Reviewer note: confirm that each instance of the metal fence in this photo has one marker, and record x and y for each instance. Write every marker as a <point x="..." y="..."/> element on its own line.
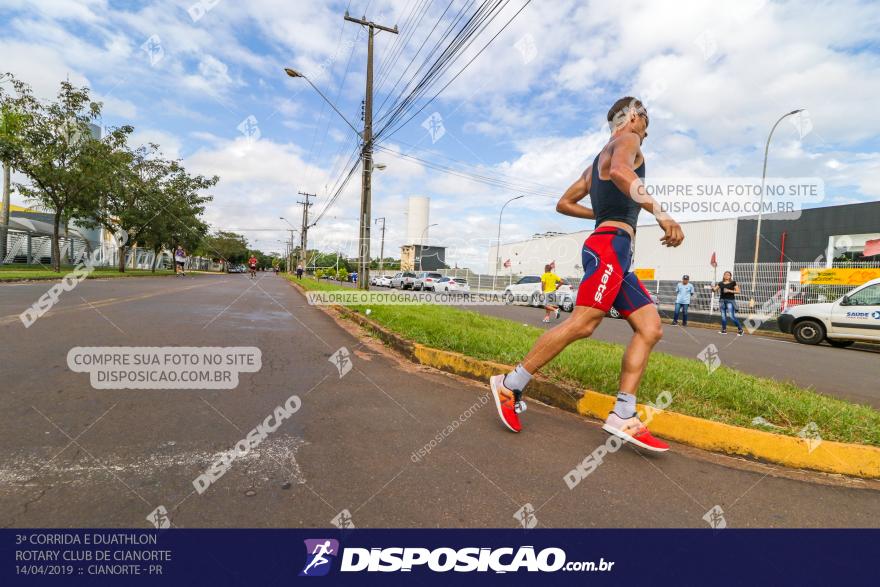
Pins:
<point x="777" y="286"/>
<point x="25" y="248"/>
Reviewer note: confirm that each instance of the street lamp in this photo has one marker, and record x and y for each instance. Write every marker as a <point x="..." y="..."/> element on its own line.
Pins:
<point x="498" y="245"/>
<point x="422" y="244"/>
<point x="366" y="138"/>
<point x="761" y="204"/>
<point x="294" y="73"/>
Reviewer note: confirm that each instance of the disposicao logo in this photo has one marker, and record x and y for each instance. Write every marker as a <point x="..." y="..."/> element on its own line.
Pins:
<point x="320" y="553"/>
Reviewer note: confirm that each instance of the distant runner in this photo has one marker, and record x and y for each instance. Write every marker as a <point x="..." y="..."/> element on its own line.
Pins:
<point x="252" y="266"/>
<point x="614" y="183"/>
<point x="179" y="261"/>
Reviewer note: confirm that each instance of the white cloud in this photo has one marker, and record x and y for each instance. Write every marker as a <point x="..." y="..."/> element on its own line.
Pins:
<point x="169" y="144"/>
<point x="709" y="117"/>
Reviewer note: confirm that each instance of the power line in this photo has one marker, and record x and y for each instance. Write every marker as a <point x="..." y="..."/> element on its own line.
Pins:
<point x="412" y="60"/>
<point x="436" y="154"/>
<point x="480" y="52"/>
<point x="460" y="41"/>
<point x="476" y="177"/>
<point x="403" y="41"/>
<point x="337" y="193"/>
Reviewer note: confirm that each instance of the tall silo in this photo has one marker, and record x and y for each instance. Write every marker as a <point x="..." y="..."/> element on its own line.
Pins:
<point x="417" y="220"/>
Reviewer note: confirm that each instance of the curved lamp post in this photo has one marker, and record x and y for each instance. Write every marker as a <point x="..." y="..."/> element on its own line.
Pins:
<point x="422" y="245"/>
<point x="498" y="241"/>
<point x="761" y="205"/>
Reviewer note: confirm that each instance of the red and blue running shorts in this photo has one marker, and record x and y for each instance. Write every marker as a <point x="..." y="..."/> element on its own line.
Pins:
<point x="607" y="282"/>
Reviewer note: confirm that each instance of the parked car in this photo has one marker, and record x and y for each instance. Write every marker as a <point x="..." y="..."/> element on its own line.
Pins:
<point x="426" y="280"/>
<point x="525" y="291"/>
<point x="452" y="285"/>
<point x="383" y="281"/>
<point x="855" y="316"/>
<point x="613" y="313"/>
<point x="403" y="280"/>
<point x="528" y="291"/>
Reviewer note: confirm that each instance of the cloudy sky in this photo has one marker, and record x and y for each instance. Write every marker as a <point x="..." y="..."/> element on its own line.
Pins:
<point x="205" y="81"/>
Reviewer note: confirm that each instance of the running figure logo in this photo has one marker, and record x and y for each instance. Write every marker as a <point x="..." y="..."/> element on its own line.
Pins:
<point x="320" y="553"/>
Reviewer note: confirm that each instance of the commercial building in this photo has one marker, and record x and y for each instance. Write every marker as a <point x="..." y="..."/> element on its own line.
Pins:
<point x="817" y="233"/>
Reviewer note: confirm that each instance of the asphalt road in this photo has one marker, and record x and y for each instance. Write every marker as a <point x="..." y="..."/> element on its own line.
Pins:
<point x="76" y="456"/>
<point x="852" y="374"/>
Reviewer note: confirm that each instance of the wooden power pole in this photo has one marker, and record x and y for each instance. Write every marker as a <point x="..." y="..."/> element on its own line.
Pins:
<point x="363" y="281"/>
<point x="304" y="232"/>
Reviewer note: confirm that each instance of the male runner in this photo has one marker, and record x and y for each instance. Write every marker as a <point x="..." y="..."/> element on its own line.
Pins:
<point x="614" y="183"/>
<point x="252" y="265"/>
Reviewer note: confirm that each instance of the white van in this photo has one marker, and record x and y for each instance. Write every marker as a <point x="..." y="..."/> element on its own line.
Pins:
<point x="855" y="316"/>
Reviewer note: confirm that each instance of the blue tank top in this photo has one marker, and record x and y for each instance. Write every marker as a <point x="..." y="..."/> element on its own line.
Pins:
<point x="609" y="203"/>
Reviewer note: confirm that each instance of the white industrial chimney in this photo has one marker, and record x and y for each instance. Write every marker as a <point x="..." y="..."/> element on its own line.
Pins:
<point x="417" y="220"/>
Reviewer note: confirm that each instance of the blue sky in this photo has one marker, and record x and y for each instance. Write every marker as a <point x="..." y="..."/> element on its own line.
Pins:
<point x="529" y="110"/>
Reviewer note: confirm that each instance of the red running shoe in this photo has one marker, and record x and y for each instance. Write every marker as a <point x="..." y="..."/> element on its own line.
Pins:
<point x="508" y="407"/>
<point x="632" y="430"/>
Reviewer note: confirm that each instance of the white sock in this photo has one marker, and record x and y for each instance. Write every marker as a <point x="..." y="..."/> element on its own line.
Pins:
<point x="625" y="406"/>
<point x="517" y="379"/>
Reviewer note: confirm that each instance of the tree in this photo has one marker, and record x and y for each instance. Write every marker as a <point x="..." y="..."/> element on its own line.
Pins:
<point x="180" y="223"/>
<point x="53" y="150"/>
<point x="330" y="260"/>
<point x="11" y="123"/>
<point x="154" y="201"/>
<point x="227" y="247"/>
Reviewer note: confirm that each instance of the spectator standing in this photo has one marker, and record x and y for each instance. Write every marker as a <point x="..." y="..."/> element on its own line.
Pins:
<point x="683" y="292"/>
<point x="728" y="289"/>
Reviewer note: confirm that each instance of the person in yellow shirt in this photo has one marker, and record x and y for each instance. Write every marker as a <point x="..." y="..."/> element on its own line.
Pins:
<point x="549" y="284"/>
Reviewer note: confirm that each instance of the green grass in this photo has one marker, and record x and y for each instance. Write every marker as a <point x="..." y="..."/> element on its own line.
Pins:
<point x="15" y="273"/>
<point x="727" y="395"/>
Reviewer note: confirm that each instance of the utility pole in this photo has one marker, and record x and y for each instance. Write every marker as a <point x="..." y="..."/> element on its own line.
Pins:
<point x="290" y="252"/>
<point x="304" y="233"/>
<point x="382" y="246"/>
<point x="363" y="281"/>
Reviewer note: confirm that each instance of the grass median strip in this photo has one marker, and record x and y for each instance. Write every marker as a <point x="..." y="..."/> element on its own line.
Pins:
<point x="14" y="273"/>
<point x="726" y="395"/>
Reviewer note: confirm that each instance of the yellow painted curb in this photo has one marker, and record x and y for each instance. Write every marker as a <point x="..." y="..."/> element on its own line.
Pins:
<point x="825" y="455"/>
<point x="821" y="455"/>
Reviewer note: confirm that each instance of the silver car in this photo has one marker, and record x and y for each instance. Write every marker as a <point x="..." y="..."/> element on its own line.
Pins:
<point x="403" y="280"/>
<point x="426" y="280"/>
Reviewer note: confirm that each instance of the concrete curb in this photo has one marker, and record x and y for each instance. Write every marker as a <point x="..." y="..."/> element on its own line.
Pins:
<point x="826" y="456"/>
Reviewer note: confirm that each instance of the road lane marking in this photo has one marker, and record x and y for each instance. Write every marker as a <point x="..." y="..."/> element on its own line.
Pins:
<point x="12" y="318"/>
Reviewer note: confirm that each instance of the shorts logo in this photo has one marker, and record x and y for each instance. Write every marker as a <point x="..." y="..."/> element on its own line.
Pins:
<point x="600" y="291"/>
<point x="320" y="553"/>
